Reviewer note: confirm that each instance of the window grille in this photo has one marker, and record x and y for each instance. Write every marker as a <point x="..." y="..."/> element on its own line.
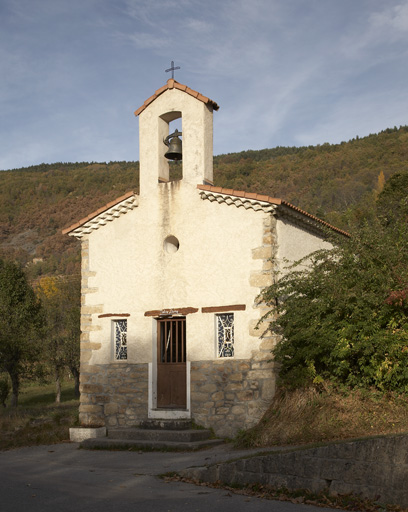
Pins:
<point x="120" y="336"/>
<point x="172" y="340"/>
<point x="225" y="335"/>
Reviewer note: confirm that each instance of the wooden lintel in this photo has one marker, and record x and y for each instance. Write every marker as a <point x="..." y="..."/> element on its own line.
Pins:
<point x="223" y="309"/>
<point x="113" y="314"/>
<point x="171" y="312"/>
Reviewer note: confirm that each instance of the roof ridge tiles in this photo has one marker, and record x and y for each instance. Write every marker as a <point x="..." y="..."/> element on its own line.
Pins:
<point x="192" y="92"/>
<point x="173" y="84"/>
<point x="216" y="190"/>
<point x="182" y="87"/>
<point x="100" y="210"/>
<point x="262" y="197"/>
<point x="268" y="199"/>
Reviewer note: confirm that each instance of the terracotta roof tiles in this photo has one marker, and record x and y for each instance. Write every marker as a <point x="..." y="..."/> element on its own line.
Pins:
<point x="271" y="200"/>
<point x="172" y="84"/>
<point x="97" y="212"/>
<point x="216" y="190"/>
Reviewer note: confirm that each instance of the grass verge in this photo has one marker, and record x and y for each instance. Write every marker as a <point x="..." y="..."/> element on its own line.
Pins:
<point x="320" y="415"/>
<point x="38" y="419"/>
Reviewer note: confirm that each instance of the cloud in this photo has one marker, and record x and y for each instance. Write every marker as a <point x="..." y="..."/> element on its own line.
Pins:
<point x="392" y="21"/>
<point x="145" y="41"/>
<point x="376" y="35"/>
<point x="283" y="71"/>
<point x="151" y="14"/>
<point x="376" y="111"/>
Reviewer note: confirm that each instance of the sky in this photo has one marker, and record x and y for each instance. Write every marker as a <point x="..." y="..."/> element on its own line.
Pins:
<point x="284" y="72"/>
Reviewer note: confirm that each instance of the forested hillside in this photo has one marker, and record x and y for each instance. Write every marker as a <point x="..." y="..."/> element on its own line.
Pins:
<point x="37" y="202"/>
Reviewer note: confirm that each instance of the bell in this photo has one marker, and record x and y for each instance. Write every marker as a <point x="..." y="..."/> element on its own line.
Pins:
<point x="174" y="144"/>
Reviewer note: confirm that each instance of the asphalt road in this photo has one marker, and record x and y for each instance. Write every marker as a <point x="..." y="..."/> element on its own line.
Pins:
<point x="62" y="478"/>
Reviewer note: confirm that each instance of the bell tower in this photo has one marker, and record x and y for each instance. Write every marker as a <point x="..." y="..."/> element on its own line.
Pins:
<point x="171" y="102"/>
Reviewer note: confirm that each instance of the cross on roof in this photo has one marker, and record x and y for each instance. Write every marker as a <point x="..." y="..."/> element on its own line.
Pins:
<point x="172" y="69"/>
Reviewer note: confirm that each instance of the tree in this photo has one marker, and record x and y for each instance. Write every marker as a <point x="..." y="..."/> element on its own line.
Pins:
<point x="393" y="200"/>
<point x="21" y="323"/>
<point x="345" y="318"/>
<point x="60" y="297"/>
<point x="380" y="183"/>
<point x="4" y="389"/>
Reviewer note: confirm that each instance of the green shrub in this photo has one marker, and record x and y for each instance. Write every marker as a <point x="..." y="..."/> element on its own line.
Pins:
<point x="343" y="312"/>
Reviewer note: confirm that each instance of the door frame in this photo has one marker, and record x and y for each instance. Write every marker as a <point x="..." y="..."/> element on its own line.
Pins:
<point x="171" y="363"/>
<point x="153" y="411"/>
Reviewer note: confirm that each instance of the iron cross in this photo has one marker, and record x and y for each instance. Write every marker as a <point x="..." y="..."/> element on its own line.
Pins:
<point x="172" y="69"/>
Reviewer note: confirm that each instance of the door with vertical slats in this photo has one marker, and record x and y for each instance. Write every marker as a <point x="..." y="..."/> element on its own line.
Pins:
<point x="171" y="363"/>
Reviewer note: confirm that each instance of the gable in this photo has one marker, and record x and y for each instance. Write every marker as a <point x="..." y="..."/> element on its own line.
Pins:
<point x="237" y="198"/>
<point x="172" y="84"/>
<point x="265" y="203"/>
<point x="103" y="215"/>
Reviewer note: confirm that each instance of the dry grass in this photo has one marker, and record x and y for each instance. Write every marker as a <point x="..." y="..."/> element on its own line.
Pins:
<point x="38" y="420"/>
<point x="310" y="416"/>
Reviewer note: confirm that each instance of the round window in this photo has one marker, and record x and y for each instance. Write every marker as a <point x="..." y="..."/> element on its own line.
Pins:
<point x="171" y="244"/>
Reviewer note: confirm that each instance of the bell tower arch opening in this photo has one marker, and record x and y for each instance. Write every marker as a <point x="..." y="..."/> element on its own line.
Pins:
<point x="173" y="144"/>
<point x="175" y="107"/>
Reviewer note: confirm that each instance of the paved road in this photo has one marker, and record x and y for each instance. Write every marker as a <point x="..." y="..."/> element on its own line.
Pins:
<point x="61" y="478"/>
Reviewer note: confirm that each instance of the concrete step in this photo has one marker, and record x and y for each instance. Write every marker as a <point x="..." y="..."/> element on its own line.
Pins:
<point x="105" y="443"/>
<point x="140" y="434"/>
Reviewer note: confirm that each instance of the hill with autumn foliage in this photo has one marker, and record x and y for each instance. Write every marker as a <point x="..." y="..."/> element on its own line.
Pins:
<point x="326" y="180"/>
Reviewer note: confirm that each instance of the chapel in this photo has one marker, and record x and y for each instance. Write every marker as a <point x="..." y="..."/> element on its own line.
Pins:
<point x="171" y="279"/>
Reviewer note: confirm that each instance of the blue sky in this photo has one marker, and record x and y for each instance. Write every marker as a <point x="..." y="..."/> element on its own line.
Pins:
<point x="284" y="72"/>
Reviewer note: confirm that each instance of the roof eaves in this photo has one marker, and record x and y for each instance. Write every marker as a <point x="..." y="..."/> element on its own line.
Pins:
<point x="240" y="193"/>
<point x="94" y="214"/>
<point x="272" y="200"/>
<point x="172" y="84"/>
<point x="316" y="219"/>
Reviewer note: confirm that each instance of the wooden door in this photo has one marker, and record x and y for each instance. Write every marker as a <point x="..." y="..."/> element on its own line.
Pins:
<point x="171" y="363"/>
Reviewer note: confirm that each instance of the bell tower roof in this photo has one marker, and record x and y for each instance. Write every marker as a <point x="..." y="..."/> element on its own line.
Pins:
<point x="173" y="84"/>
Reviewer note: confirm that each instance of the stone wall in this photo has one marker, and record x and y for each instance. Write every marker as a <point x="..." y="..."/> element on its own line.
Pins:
<point x="114" y="395"/>
<point x="374" y="468"/>
<point x="228" y="395"/>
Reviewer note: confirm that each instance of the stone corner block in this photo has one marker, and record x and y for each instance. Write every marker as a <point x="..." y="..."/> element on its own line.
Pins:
<point x="260" y="280"/>
<point x="91" y="310"/>
<point x="262" y="253"/>
<point x="79" y="434"/>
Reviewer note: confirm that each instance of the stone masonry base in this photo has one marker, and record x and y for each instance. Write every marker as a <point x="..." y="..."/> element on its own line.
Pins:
<point x="226" y="395"/>
<point x="113" y="395"/>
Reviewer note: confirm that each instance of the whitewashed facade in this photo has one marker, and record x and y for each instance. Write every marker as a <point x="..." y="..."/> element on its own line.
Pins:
<point x="170" y="282"/>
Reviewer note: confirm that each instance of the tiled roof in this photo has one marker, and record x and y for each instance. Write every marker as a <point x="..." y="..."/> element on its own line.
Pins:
<point x="222" y="195"/>
<point x="172" y="84"/>
<point x="241" y="198"/>
<point x="106" y="213"/>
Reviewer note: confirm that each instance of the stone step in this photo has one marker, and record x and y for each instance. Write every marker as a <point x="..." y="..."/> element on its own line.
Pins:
<point x="105" y="443"/>
<point x="157" y="434"/>
<point x="166" y="424"/>
<point x="143" y="434"/>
